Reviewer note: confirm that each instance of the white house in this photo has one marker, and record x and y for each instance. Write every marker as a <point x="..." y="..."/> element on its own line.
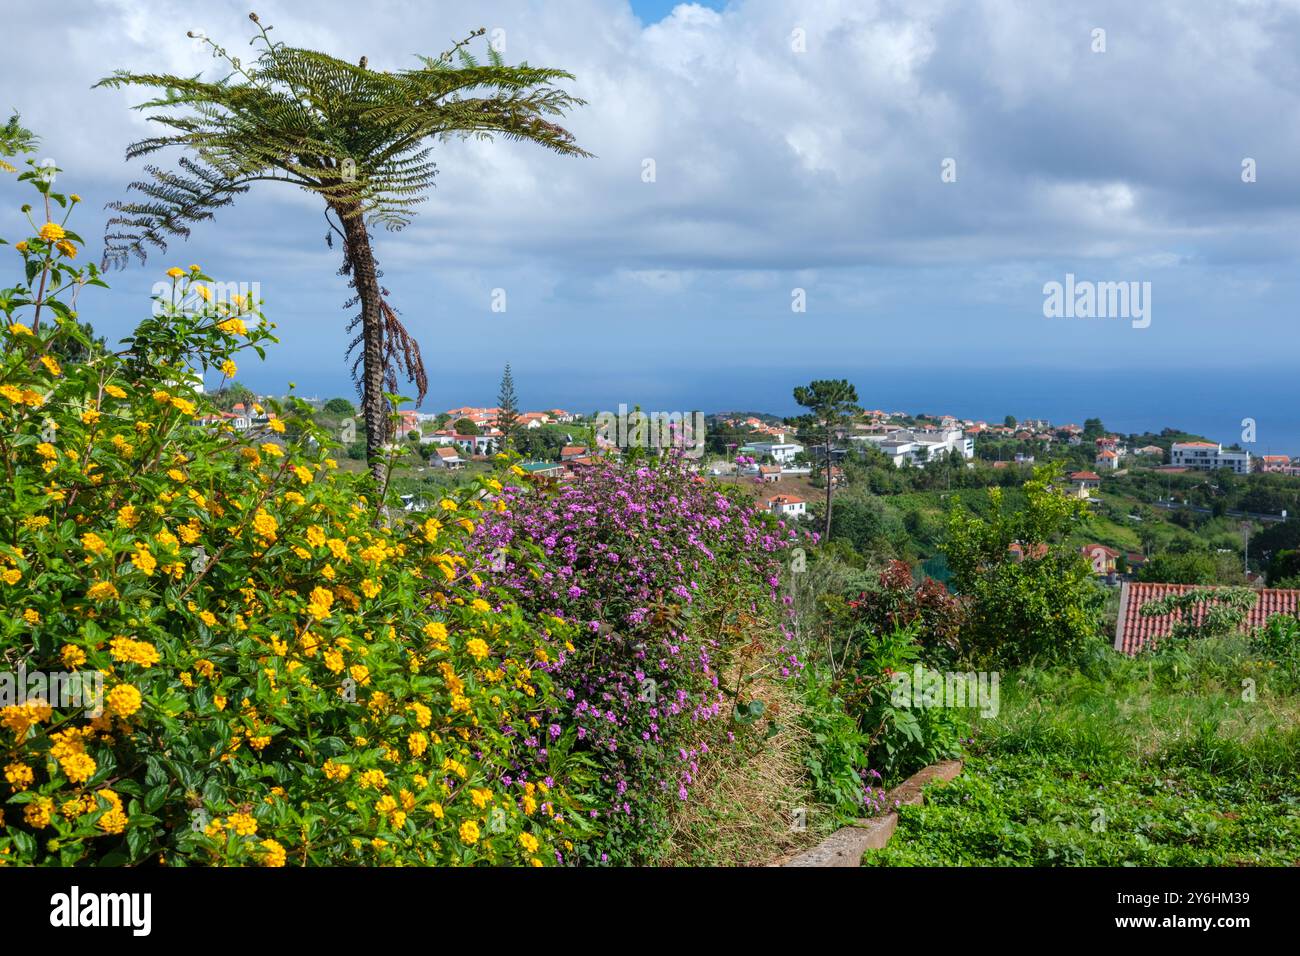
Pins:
<point x="780" y="452"/>
<point x="445" y="456"/>
<point x="787" y="506"/>
<point x="1107" y="459"/>
<point x="918" y="446"/>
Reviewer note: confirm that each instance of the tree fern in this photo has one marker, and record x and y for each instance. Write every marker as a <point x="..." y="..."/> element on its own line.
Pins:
<point x="361" y="139"/>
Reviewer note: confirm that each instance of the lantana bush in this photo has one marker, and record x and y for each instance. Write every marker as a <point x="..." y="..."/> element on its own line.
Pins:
<point x="290" y="671"/>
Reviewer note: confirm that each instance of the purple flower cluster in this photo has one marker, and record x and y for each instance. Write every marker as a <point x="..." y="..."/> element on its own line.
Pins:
<point x="635" y="557"/>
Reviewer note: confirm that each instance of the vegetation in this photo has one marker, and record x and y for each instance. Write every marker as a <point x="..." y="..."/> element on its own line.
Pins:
<point x="507" y="408"/>
<point x="360" y="139"/>
<point x="831" y="405"/>
<point x="253" y="661"/>
<point x="1185" y="759"/>
<point x="1035" y="603"/>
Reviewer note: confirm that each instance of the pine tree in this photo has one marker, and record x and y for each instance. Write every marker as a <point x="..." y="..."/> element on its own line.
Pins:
<point x="832" y="404"/>
<point x="508" y="403"/>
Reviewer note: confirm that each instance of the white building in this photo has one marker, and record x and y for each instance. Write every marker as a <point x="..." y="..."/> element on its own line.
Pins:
<point x="781" y="452"/>
<point x="919" y="446"/>
<point x="445" y="456"/>
<point x="1107" y="459"/>
<point x="787" y="506"/>
<point x="1208" y="456"/>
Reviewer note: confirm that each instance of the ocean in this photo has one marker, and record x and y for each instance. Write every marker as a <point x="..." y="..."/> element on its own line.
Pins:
<point x="1213" y="403"/>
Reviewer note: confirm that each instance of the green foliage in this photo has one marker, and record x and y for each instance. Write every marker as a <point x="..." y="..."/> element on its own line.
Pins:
<point x="832" y="404"/>
<point x="1043" y="606"/>
<point x="363" y="143"/>
<point x="1042" y="809"/>
<point x="15" y="139"/>
<point x="903" y="735"/>
<point x="837" y="749"/>
<point x="1192" y="567"/>
<point x="293" y="669"/>
<point x="1125" y="763"/>
<point x="508" y="407"/>
<point x="359" y="139"/>
<point x="1201" y="613"/>
<point x="541" y="444"/>
<point x="339" y="407"/>
<point x="1284" y="566"/>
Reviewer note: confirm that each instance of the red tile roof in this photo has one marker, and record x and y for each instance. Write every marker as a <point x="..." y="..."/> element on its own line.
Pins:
<point x="1093" y="548"/>
<point x="1134" y="630"/>
<point x="1085" y="476"/>
<point x="784" y="500"/>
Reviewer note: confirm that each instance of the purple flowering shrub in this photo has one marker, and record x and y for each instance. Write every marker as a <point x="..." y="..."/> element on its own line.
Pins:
<point x="667" y="579"/>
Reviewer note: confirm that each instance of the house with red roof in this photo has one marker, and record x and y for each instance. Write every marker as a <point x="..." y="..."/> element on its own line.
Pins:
<point x="1107" y="459"/>
<point x="1085" y="481"/>
<point x="1278" y="464"/>
<point x="407" y="421"/>
<point x="787" y="506"/>
<point x="1135" y="631"/>
<point x="1101" y="558"/>
<point x="446" y="456"/>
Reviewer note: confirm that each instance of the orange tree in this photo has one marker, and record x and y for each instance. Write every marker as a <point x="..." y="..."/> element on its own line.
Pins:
<point x="216" y="648"/>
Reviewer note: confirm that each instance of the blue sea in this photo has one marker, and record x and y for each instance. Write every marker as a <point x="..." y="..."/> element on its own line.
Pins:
<point x="1208" y="402"/>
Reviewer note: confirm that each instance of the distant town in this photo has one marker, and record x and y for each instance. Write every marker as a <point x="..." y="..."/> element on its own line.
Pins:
<point x="555" y="442"/>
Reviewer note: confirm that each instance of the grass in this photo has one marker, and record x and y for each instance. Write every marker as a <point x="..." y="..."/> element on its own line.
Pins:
<point x="743" y="810"/>
<point x="1163" y="762"/>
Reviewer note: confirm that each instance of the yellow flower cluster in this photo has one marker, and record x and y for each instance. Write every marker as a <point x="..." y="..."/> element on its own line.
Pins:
<point x="229" y="592"/>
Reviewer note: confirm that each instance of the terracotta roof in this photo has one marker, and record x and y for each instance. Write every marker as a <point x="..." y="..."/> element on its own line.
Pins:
<point x="784" y="500"/>
<point x="1093" y="548"/>
<point x="1134" y="630"/>
<point x="1085" y="476"/>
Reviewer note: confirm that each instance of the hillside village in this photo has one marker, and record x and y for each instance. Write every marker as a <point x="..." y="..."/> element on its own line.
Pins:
<point x="1142" y="490"/>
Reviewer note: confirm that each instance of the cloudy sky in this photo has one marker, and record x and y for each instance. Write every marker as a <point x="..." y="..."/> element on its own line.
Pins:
<point x="796" y="145"/>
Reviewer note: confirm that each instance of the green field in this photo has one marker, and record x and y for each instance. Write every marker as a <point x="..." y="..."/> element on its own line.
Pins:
<point x="1143" y="764"/>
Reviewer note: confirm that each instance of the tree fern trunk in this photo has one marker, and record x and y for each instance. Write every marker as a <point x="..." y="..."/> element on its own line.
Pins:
<point x="373" y="408"/>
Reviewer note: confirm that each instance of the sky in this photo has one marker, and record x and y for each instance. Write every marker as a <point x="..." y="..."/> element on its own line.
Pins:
<point x="913" y="173"/>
